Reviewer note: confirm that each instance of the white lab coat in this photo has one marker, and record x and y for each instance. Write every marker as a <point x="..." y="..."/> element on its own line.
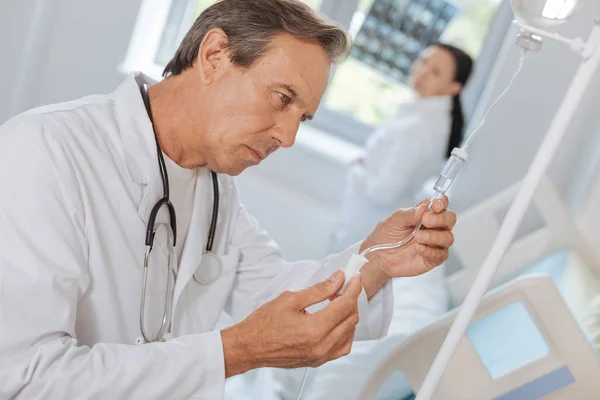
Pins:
<point x="78" y="181"/>
<point x="399" y="157"/>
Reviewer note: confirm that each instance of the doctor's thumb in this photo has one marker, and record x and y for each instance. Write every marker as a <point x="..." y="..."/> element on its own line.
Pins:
<point x="320" y="291"/>
<point x="418" y="213"/>
<point x="409" y="217"/>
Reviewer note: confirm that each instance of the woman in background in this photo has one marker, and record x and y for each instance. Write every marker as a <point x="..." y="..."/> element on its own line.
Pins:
<point x="410" y="148"/>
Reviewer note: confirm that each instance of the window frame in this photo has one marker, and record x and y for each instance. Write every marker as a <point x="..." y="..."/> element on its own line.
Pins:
<point x="145" y="40"/>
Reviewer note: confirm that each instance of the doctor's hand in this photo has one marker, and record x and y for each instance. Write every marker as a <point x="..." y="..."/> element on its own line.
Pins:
<point x="427" y="250"/>
<point x="282" y="334"/>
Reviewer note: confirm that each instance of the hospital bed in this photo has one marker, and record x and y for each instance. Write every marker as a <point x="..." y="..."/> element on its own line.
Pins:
<point x="524" y="342"/>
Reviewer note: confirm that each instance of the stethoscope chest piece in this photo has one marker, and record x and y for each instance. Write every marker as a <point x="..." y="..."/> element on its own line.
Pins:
<point x="209" y="269"/>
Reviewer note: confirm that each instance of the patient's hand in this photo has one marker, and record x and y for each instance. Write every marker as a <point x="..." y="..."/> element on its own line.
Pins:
<point x="426" y="251"/>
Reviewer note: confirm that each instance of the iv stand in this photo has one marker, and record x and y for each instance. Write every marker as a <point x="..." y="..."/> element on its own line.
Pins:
<point x="589" y="66"/>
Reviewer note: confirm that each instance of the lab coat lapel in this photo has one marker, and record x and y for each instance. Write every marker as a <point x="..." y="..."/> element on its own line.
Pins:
<point x="139" y="147"/>
<point x="197" y="235"/>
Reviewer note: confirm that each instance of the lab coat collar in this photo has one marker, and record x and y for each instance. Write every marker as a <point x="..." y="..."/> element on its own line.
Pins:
<point x="139" y="147"/>
<point x="191" y="255"/>
<point x="136" y="131"/>
<point x="139" y="143"/>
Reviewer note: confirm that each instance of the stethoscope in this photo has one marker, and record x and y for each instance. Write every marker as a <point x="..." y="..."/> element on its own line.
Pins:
<point x="210" y="266"/>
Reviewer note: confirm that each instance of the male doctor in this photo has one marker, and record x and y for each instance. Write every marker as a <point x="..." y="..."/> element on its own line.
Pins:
<point x="84" y="314"/>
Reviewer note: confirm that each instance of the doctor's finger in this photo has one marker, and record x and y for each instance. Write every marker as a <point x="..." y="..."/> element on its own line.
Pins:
<point x="318" y="292"/>
<point x="338" y="341"/>
<point x="425" y="201"/>
<point x="344" y="349"/>
<point x="408" y="217"/>
<point x="343" y="340"/>
<point x="353" y="289"/>
<point x="432" y="255"/>
<point x="440" y="204"/>
<point x="435" y="238"/>
<point x="444" y="220"/>
<point x="343" y="306"/>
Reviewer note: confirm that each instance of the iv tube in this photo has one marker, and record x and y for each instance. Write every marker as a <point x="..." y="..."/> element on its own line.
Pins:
<point x="476" y="130"/>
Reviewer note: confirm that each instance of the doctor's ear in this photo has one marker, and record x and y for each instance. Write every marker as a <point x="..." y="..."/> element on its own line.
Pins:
<point x="213" y="55"/>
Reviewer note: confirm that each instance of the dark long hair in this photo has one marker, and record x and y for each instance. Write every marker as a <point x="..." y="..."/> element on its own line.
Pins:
<point x="464" y="65"/>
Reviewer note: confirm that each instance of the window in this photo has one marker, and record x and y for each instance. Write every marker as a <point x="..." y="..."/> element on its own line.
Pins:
<point x="361" y="94"/>
<point x="360" y="91"/>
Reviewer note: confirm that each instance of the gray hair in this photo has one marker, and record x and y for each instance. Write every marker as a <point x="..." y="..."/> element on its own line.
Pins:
<point x="250" y="25"/>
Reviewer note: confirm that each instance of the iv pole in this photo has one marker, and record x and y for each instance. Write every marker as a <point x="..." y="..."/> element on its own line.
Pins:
<point x="585" y="73"/>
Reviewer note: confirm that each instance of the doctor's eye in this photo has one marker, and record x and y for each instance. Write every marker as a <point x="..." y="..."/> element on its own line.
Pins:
<point x="285" y="99"/>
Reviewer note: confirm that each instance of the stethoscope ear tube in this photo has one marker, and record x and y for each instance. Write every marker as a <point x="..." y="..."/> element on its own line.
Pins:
<point x="211" y="266"/>
<point x="215" y="212"/>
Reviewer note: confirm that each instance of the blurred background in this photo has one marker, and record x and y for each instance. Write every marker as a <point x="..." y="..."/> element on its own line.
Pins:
<point x="58" y="50"/>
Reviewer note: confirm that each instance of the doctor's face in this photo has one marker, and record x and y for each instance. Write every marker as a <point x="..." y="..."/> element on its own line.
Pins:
<point x="256" y="110"/>
<point x="433" y="73"/>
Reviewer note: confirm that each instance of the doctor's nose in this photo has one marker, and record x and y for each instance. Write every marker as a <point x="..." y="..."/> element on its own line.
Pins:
<point x="285" y="131"/>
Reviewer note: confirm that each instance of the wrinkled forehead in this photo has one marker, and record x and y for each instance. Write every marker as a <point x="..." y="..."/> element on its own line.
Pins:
<point x="302" y="64"/>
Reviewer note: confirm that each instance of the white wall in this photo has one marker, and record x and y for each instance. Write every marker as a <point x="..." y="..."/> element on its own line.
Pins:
<point x="15" y="23"/>
<point x="78" y="45"/>
<point x="76" y="48"/>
